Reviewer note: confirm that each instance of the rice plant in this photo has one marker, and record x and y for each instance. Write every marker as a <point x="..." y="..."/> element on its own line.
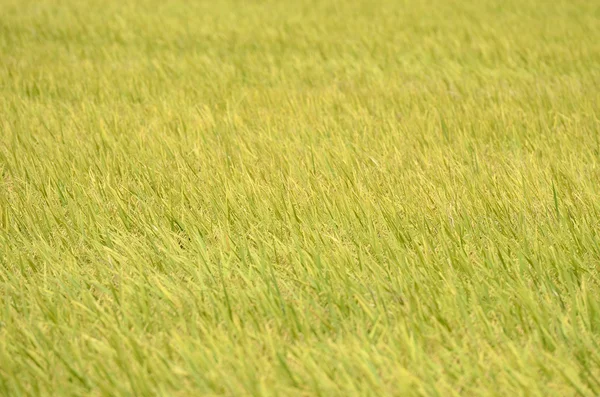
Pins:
<point x="300" y="198"/>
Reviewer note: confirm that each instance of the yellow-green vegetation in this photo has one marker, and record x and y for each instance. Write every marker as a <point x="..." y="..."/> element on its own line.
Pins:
<point x="300" y="198"/>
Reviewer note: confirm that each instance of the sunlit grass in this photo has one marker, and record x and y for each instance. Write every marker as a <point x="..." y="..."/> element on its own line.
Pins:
<point x="300" y="198"/>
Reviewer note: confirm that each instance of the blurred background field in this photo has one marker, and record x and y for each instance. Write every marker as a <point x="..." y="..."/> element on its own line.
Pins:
<point x="300" y="198"/>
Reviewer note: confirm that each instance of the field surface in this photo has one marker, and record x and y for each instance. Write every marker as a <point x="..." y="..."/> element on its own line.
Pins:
<point x="300" y="198"/>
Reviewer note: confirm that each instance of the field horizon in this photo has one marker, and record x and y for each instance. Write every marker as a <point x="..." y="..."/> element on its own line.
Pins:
<point x="300" y="198"/>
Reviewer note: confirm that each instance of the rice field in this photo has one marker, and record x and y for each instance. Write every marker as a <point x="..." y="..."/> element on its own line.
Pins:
<point x="300" y="198"/>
